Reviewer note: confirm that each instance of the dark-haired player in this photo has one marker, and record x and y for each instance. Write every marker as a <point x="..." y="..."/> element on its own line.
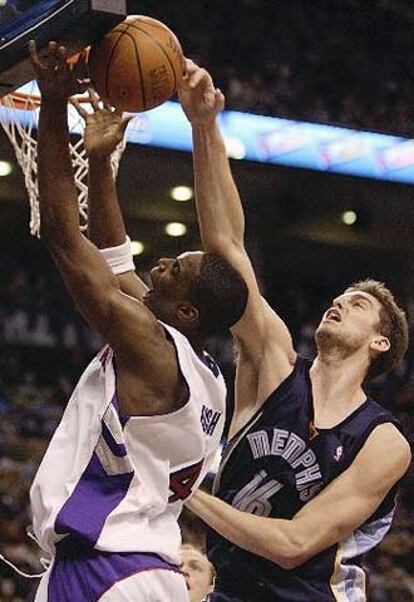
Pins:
<point x="146" y="417"/>
<point x="307" y="482"/>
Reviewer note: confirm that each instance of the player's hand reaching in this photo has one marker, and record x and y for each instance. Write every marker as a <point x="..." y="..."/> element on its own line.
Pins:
<point x="104" y="127"/>
<point x="57" y="78"/>
<point x="200" y="100"/>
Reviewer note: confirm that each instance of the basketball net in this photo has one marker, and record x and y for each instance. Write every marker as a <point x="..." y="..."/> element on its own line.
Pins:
<point x="19" y="117"/>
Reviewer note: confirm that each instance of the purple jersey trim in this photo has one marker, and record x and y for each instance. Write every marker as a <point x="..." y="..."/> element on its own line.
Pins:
<point x="123" y="418"/>
<point x="95" y="496"/>
<point x="84" y="575"/>
<point x="118" y="449"/>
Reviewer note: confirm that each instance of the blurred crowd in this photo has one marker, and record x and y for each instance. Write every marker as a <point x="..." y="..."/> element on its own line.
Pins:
<point x="45" y="347"/>
<point x="343" y="62"/>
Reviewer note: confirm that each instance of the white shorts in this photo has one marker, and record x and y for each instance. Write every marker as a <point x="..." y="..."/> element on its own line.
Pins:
<point x="155" y="585"/>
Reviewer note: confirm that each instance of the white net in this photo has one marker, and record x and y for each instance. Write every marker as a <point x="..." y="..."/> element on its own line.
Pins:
<point x="19" y="114"/>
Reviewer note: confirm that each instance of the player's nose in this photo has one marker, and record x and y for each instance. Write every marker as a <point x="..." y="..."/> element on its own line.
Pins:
<point x="164" y="262"/>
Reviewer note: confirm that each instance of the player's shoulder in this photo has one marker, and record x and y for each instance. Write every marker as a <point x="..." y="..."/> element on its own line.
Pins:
<point x="388" y="442"/>
<point x="389" y="435"/>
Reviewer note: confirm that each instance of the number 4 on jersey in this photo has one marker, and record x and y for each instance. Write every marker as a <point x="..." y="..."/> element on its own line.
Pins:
<point x="182" y="481"/>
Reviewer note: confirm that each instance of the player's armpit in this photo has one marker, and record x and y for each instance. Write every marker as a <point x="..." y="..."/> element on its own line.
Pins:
<point x="352" y="497"/>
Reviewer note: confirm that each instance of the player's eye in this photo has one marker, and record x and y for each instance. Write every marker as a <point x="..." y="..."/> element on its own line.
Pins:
<point x="196" y="566"/>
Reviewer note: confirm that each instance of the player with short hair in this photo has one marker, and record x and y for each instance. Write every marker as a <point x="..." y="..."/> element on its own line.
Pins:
<point x="145" y="420"/>
<point x="198" y="572"/>
<point x="308" y="479"/>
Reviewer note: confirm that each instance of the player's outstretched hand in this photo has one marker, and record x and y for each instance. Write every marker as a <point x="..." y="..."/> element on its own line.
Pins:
<point x="200" y="100"/>
<point x="104" y="127"/>
<point x="57" y="78"/>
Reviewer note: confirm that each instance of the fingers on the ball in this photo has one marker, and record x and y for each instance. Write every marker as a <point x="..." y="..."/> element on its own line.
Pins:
<point x="220" y="94"/>
<point x="200" y="76"/>
<point x="190" y="66"/>
<point x="183" y="82"/>
<point x="220" y="100"/>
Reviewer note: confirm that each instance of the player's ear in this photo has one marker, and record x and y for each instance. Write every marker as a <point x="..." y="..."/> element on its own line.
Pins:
<point x="188" y="313"/>
<point x="380" y="344"/>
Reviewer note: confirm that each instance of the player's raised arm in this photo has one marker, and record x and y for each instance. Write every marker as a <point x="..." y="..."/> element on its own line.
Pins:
<point x="122" y="321"/>
<point x="104" y="130"/>
<point x="221" y="215"/>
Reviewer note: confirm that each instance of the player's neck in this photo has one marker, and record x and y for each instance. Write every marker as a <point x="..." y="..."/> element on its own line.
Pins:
<point x="337" y="383"/>
<point x="196" y="339"/>
<point x="197" y="342"/>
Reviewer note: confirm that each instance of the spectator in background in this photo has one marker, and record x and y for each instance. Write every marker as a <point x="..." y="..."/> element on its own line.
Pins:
<point x="198" y="571"/>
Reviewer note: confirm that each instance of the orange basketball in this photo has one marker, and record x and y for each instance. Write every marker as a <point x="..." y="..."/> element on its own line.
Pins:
<point x="137" y="65"/>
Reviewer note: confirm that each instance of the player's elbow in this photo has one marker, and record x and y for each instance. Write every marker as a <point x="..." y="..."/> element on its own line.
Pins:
<point x="291" y="559"/>
<point x="295" y="552"/>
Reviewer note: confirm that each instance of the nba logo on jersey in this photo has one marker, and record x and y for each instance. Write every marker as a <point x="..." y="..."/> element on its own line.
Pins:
<point x="338" y="453"/>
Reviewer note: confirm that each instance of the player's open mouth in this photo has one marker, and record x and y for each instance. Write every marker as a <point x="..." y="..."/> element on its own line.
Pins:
<point x="333" y="315"/>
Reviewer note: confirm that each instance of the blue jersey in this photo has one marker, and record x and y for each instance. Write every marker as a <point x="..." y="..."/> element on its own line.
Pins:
<point x="275" y="465"/>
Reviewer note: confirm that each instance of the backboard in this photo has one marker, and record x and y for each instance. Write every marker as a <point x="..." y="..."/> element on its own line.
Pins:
<point x="74" y="23"/>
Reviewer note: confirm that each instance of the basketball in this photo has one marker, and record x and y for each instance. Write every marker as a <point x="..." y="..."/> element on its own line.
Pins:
<point x="137" y="65"/>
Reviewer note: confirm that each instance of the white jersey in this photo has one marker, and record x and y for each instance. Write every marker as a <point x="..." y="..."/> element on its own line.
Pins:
<point x="119" y="483"/>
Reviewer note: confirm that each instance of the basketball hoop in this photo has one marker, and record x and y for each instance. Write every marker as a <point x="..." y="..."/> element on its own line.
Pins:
<point x="19" y="116"/>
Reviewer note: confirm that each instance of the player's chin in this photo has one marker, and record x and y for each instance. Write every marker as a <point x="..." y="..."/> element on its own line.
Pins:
<point x="322" y="327"/>
<point x="326" y="330"/>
